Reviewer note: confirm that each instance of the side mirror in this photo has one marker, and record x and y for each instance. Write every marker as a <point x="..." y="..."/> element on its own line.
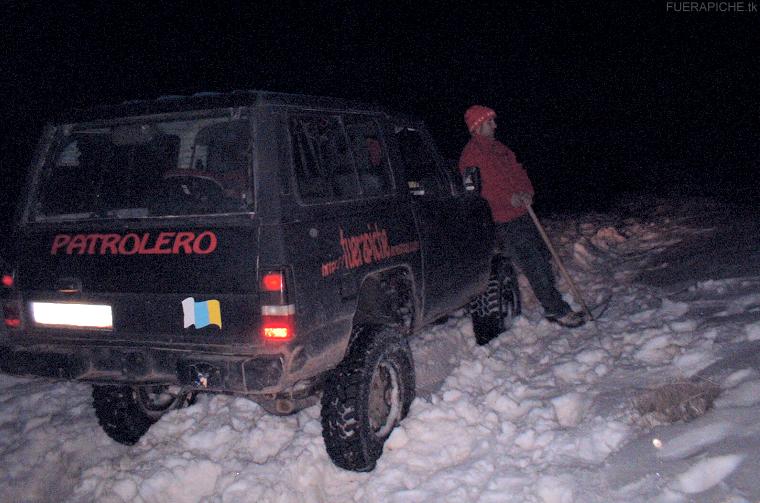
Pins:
<point x="471" y="179"/>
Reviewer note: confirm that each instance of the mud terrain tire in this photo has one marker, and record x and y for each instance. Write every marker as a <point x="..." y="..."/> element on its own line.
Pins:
<point x="494" y="311"/>
<point x="126" y="412"/>
<point x="366" y="396"/>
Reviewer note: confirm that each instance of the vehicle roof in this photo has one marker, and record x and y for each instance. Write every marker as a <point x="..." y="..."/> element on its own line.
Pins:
<point x="213" y="100"/>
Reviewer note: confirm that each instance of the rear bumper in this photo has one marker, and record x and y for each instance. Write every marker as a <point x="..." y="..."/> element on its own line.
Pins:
<point x="262" y="374"/>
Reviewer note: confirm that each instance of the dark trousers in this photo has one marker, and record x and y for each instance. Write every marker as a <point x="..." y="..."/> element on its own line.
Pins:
<point x="520" y="241"/>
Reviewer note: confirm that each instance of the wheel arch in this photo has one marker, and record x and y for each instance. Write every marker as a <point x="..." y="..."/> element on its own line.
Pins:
<point x="388" y="297"/>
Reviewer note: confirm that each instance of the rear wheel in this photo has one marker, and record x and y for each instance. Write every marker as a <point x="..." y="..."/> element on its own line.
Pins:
<point x="494" y="311"/>
<point x="366" y="396"/>
<point x="126" y="412"/>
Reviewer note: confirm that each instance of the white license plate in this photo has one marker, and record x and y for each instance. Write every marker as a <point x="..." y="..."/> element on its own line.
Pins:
<point x="72" y="315"/>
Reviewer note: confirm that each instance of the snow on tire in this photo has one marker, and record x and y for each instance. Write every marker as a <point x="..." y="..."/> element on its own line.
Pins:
<point x="366" y="396"/>
<point x="494" y="310"/>
<point x="126" y="412"/>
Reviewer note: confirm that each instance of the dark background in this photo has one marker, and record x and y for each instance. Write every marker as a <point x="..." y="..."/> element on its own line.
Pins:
<point x="596" y="99"/>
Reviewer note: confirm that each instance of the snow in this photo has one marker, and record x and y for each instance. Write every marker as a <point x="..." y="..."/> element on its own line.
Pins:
<point x="542" y="414"/>
<point x="707" y="473"/>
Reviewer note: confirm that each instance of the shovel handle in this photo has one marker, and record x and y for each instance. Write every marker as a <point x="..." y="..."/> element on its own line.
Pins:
<point x="558" y="261"/>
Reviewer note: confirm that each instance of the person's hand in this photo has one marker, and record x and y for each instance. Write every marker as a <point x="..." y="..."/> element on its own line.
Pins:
<point x="522" y="199"/>
<point x="516" y="200"/>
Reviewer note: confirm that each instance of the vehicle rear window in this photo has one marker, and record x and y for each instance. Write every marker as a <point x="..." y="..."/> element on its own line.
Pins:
<point x="147" y="168"/>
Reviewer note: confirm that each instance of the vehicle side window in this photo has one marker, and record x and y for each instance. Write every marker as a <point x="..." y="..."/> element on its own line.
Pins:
<point x="423" y="175"/>
<point x="370" y="155"/>
<point x="322" y="160"/>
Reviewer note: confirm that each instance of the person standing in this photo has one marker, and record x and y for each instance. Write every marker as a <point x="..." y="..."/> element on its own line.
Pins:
<point x="508" y="190"/>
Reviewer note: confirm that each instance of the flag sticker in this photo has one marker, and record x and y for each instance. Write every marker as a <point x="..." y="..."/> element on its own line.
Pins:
<point x="201" y="314"/>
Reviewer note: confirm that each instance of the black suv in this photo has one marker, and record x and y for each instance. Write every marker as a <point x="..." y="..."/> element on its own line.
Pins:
<point x="267" y="245"/>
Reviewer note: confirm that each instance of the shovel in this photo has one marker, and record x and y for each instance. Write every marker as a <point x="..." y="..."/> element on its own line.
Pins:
<point x="574" y="289"/>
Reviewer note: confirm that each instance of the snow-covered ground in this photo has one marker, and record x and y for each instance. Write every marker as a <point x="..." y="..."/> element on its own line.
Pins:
<point x="541" y="414"/>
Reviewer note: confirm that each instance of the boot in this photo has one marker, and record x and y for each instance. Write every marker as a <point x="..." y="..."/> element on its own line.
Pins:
<point x="571" y="319"/>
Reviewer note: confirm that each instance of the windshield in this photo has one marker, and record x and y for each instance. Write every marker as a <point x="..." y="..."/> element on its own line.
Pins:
<point x="148" y="168"/>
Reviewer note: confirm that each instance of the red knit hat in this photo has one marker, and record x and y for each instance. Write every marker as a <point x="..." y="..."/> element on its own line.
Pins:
<point x="477" y="115"/>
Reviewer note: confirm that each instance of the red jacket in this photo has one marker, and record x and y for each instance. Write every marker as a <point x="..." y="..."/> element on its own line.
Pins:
<point x="500" y="173"/>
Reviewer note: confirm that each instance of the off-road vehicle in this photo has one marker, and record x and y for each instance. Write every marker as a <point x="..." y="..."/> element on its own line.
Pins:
<point x="279" y="247"/>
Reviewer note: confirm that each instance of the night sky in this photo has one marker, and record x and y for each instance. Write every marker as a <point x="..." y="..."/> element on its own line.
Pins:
<point x="595" y="98"/>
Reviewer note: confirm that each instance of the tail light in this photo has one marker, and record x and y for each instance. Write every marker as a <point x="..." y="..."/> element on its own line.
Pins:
<point x="12" y="314"/>
<point x="278" y="315"/>
<point x="11" y="304"/>
<point x="273" y="282"/>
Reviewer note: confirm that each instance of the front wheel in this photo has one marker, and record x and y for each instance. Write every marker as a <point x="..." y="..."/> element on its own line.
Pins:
<point x="494" y="311"/>
<point x="366" y="396"/>
<point x="126" y="412"/>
